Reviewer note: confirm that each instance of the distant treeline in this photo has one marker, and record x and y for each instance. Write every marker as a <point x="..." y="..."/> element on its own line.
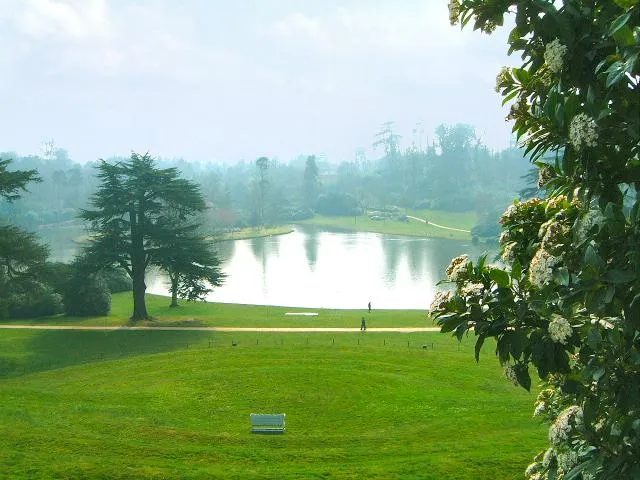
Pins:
<point x="456" y="172"/>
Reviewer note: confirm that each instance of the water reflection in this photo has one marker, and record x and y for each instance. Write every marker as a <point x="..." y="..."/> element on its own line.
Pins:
<point x="320" y="268"/>
<point x="311" y="247"/>
<point x="415" y="249"/>
<point x="392" y="248"/>
<point x="62" y="239"/>
<point x="330" y="269"/>
<point x="225" y="250"/>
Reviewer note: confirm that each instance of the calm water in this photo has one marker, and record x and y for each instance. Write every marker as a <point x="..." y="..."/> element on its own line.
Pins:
<point x="317" y="268"/>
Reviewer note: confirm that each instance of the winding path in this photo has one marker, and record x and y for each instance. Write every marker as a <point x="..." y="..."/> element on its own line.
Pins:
<point x="439" y="226"/>
<point x="225" y="329"/>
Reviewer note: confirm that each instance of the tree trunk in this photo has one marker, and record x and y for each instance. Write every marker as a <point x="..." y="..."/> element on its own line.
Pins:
<point x="138" y="268"/>
<point x="174" y="290"/>
<point x="139" y="289"/>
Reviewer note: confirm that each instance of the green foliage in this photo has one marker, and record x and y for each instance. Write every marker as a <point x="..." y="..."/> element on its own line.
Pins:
<point x="12" y="182"/>
<point x="139" y="210"/>
<point x="566" y="303"/>
<point x="22" y="260"/>
<point x="56" y="275"/>
<point x="190" y="262"/>
<point x="338" y="204"/>
<point x="117" y="280"/>
<point x="21" y="255"/>
<point x="87" y="295"/>
<point x="32" y="299"/>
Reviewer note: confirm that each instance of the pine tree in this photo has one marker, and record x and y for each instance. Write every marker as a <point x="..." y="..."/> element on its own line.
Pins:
<point x="144" y="216"/>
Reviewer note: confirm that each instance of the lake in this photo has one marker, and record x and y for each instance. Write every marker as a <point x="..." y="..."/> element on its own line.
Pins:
<point x="328" y="269"/>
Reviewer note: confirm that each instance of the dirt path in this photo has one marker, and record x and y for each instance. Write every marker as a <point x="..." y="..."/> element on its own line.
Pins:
<point x="436" y="225"/>
<point x="226" y="329"/>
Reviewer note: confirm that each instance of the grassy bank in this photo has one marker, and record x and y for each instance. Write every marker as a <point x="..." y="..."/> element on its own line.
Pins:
<point x="197" y="314"/>
<point x="242" y="234"/>
<point x="252" y="232"/>
<point x="415" y="228"/>
<point x="157" y="404"/>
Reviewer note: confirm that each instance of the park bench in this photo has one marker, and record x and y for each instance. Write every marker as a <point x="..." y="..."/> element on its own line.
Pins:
<point x="267" y="422"/>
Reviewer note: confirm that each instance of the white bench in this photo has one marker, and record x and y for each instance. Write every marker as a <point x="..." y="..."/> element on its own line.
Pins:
<point x="267" y="422"/>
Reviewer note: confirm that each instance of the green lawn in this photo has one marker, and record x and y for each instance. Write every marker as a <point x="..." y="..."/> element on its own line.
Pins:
<point x="157" y="404"/>
<point x="197" y="314"/>
<point x="464" y="221"/>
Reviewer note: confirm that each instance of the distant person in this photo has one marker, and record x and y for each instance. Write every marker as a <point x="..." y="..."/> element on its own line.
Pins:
<point x="363" y="325"/>
<point x="369" y="306"/>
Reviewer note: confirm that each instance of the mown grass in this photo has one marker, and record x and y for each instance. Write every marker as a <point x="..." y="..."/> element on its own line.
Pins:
<point x="414" y="228"/>
<point x="153" y="404"/>
<point x="197" y="314"/>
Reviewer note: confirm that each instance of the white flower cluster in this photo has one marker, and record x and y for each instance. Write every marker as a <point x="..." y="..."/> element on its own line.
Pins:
<point x="560" y="329"/>
<point x="567" y="460"/>
<point x="583" y="131"/>
<point x="440" y="300"/>
<point x="518" y="108"/>
<point x="454" y="11"/>
<point x="472" y="289"/>
<point x="509" y="253"/>
<point x="540" y="409"/>
<point x="457" y="268"/>
<point x="508" y="213"/>
<point x="548" y="457"/>
<point x="554" y="54"/>
<point x="545" y="77"/>
<point x="504" y="77"/>
<point x="556" y="202"/>
<point x="541" y="267"/>
<point x="510" y="374"/>
<point x="586" y="223"/>
<point x="504" y="237"/>
<point x="552" y="233"/>
<point x="532" y="469"/>
<point x="567" y="421"/>
<point x="545" y="174"/>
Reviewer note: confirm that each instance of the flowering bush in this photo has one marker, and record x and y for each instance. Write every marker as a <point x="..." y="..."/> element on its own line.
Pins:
<point x="566" y="301"/>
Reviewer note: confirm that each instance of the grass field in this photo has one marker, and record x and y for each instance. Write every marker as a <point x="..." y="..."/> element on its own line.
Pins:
<point x="362" y="223"/>
<point x="196" y="314"/>
<point x="158" y="404"/>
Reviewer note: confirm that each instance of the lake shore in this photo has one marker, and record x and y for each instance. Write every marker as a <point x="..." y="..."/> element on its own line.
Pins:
<point x="251" y="232"/>
<point x="454" y="224"/>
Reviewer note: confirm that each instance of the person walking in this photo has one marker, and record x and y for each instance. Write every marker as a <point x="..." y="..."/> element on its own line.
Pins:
<point x="369" y="306"/>
<point x="363" y="325"/>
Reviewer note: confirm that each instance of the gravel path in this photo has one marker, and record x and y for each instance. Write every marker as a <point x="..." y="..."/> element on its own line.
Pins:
<point x="226" y="329"/>
<point x="436" y="225"/>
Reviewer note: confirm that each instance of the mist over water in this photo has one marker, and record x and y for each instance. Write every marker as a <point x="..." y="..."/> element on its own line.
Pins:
<point x="324" y="269"/>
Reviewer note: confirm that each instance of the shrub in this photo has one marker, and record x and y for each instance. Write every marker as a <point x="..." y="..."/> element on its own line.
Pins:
<point x="87" y="295"/>
<point x="567" y="302"/>
<point x="35" y="299"/>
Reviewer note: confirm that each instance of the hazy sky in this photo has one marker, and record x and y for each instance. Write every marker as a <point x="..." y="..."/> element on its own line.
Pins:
<point x="226" y="80"/>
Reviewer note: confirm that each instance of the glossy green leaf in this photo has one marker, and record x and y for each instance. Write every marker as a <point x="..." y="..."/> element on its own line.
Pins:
<point x="618" y="23"/>
<point x="500" y="277"/>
